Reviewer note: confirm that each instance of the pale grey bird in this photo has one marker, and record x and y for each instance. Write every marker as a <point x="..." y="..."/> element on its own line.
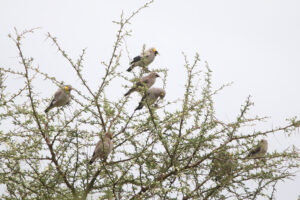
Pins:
<point x="103" y="148"/>
<point x="296" y="124"/>
<point x="143" y="60"/>
<point x="260" y="150"/>
<point x="151" y="96"/>
<point x="144" y="83"/>
<point x="61" y="97"/>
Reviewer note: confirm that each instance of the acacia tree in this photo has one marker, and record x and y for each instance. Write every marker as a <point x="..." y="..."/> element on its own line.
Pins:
<point x="158" y="153"/>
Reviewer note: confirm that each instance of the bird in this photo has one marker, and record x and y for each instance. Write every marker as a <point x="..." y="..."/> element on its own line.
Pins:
<point x="146" y="81"/>
<point x="260" y="150"/>
<point x="296" y="124"/>
<point x="144" y="59"/>
<point x="61" y="98"/>
<point x="222" y="166"/>
<point x="151" y="96"/>
<point x="103" y="148"/>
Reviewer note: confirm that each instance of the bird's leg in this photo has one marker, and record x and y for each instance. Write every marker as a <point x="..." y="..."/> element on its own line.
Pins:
<point x="145" y="69"/>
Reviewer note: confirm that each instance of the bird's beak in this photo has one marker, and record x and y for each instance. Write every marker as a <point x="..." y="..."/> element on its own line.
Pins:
<point x="156" y="53"/>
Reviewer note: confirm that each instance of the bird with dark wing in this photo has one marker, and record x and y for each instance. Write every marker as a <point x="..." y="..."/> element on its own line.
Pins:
<point x="260" y="150"/>
<point x="143" y="60"/>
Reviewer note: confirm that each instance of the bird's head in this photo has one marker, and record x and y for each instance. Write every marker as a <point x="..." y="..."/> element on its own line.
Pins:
<point x="67" y="88"/>
<point x="154" y="74"/>
<point x="154" y="51"/>
<point x="162" y="94"/>
<point x="263" y="141"/>
<point x="108" y="135"/>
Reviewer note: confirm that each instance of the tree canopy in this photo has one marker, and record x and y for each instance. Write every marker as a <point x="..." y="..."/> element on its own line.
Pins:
<point x="158" y="153"/>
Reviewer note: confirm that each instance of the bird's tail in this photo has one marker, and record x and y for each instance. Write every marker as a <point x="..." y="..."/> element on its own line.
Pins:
<point x="140" y="106"/>
<point x="91" y="161"/>
<point x="130" y="68"/>
<point x="248" y="156"/>
<point x="50" y="106"/>
<point x="129" y="92"/>
<point x="47" y="109"/>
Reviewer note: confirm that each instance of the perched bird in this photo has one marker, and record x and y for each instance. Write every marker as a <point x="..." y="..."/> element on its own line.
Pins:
<point x="260" y="150"/>
<point x="151" y="96"/>
<point x="222" y="166"/>
<point x="296" y="124"/>
<point x="144" y="59"/>
<point x="145" y="81"/>
<point x="103" y="148"/>
<point x="61" y="97"/>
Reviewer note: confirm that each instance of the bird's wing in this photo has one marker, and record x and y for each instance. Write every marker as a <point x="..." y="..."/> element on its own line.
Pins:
<point x="139" y="84"/>
<point x="144" y="96"/>
<point x="52" y="102"/>
<point x="136" y="59"/>
<point x="254" y="151"/>
<point x="144" y="82"/>
<point x="107" y="146"/>
<point x="99" y="147"/>
<point x="141" y="104"/>
<point x="58" y="94"/>
<point x="56" y="97"/>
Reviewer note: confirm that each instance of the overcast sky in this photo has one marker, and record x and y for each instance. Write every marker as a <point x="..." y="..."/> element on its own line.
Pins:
<point x="255" y="44"/>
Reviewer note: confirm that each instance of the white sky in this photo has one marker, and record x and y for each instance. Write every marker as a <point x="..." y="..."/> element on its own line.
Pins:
<point x="255" y="44"/>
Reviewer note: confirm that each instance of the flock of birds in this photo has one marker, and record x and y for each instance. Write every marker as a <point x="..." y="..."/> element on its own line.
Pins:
<point x="151" y="95"/>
